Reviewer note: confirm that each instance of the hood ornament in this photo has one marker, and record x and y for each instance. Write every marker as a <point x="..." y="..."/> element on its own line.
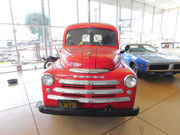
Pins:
<point x="89" y="54"/>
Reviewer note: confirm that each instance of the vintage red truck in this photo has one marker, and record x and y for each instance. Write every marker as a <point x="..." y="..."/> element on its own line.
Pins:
<point x="89" y="77"/>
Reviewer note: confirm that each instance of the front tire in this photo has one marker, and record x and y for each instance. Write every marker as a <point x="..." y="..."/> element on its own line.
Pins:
<point x="134" y="67"/>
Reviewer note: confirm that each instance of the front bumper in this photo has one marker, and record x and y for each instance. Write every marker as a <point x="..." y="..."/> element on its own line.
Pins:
<point x="88" y="112"/>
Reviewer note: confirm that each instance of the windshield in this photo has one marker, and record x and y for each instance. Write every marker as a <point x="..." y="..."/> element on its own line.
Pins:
<point x="170" y="45"/>
<point x="91" y="36"/>
<point x="142" y="48"/>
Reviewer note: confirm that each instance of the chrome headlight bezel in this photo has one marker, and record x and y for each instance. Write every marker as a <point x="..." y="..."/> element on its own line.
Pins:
<point x="133" y="78"/>
<point x="51" y="79"/>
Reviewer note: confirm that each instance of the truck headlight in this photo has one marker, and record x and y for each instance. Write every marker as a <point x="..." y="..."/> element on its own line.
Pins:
<point x="130" y="81"/>
<point x="47" y="79"/>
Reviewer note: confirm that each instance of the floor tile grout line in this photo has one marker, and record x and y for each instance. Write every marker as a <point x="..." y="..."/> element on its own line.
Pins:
<point x="143" y="119"/>
<point x="19" y="106"/>
<point x="152" y="125"/>
<point x="14" y="107"/>
<point x="31" y="110"/>
<point x="159" y="102"/>
<point x="117" y="126"/>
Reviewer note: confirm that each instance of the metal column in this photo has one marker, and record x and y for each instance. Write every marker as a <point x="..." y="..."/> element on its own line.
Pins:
<point x="77" y="10"/>
<point x="19" y="67"/>
<point x="99" y="10"/>
<point x="160" y="31"/>
<point x="152" y="27"/>
<point x="89" y="11"/>
<point x="50" y="31"/>
<point x="176" y="25"/>
<point x="119" y="28"/>
<point x="44" y="29"/>
<point x="142" y="27"/>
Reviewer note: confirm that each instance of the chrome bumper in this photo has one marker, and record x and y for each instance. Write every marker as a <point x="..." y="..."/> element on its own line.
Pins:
<point x="90" y="100"/>
<point x="88" y="71"/>
<point x="85" y="91"/>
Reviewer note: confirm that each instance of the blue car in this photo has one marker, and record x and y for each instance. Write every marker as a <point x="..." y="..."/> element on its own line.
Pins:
<point x="146" y="59"/>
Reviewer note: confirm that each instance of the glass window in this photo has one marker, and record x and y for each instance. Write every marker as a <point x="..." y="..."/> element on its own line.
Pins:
<point x="108" y="11"/>
<point x="83" y="10"/>
<point x="157" y="20"/>
<point x="177" y="38"/>
<point x="8" y="55"/>
<point x="21" y="8"/>
<point x="164" y="25"/>
<point x="63" y="12"/>
<point x="137" y="16"/>
<point x="171" y="23"/>
<point x="5" y="15"/>
<point x="125" y="20"/>
<point x="30" y="45"/>
<point x="142" y="48"/>
<point x="148" y="18"/>
<point x="136" y="25"/>
<point x="91" y="36"/>
<point x="94" y="10"/>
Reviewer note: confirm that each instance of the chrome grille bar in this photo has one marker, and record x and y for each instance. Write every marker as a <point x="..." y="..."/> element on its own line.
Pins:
<point x="90" y="100"/>
<point x="90" y="71"/>
<point x="88" y="82"/>
<point x="85" y="91"/>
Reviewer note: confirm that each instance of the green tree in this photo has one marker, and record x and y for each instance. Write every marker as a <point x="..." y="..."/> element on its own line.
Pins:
<point x="36" y="19"/>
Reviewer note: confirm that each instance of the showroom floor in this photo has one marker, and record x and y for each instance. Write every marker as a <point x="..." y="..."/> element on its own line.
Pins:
<point x="158" y="98"/>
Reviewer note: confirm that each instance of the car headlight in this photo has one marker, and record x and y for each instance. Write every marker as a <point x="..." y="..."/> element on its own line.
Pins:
<point x="130" y="81"/>
<point x="47" y="79"/>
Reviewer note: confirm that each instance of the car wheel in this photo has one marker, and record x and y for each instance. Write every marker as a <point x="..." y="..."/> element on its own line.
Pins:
<point x="134" y="67"/>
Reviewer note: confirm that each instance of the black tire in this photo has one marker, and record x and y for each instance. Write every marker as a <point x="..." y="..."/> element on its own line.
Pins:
<point x="134" y="67"/>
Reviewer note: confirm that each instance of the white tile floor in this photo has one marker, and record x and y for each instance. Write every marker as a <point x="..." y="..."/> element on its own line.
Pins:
<point x="158" y="98"/>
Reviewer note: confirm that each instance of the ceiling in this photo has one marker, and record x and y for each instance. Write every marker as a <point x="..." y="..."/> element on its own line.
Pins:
<point x="165" y="4"/>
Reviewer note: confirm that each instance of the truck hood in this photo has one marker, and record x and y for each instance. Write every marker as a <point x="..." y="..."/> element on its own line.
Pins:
<point x="89" y="57"/>
<point x="157" y="57"/>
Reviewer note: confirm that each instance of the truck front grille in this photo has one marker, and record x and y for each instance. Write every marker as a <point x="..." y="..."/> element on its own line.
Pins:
<point x="176" y="66"/>
<point x="88" y="88"/>
<point x="159" y="67"/>
<point x="73" y="86"/>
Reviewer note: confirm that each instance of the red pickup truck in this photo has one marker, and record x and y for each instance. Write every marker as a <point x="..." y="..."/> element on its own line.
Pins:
<point x="89" y="78"/>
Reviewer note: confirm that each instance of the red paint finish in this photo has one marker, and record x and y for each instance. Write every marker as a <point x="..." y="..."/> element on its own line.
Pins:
<point x="90" y="57"/>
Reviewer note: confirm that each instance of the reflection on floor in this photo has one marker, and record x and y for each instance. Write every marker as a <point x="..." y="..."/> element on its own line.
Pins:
<point x="158" y="98"/>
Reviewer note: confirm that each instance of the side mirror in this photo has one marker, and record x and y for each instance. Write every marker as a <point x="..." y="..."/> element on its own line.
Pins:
<point x="126" y="49"/>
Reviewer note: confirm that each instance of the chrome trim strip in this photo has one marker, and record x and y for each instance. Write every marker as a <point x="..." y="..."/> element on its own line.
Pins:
<point x="85" y="91"/>
<point x="90" y="100"/>
<point x="89" y="82"/>
<point x="163" y="70"/>
<point x="90" y="71"/>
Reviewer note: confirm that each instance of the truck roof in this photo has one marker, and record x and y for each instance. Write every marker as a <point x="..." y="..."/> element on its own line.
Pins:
<point x="88" y="25"/>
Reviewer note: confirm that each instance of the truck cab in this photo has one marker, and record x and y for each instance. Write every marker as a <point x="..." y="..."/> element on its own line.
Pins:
<point x="89" y="78"/>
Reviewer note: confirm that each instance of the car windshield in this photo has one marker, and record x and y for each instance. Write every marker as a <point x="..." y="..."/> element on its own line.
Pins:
<point x="142" y="48"/>
<point x="170" y="45"/>
<point x="91" y="36"/>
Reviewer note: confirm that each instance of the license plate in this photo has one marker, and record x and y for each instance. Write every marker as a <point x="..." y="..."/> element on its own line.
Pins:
<point x="68" y="104"/>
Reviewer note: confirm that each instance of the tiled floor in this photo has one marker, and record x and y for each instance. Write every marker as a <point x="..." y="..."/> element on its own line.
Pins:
<point x="158" y="98"/>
